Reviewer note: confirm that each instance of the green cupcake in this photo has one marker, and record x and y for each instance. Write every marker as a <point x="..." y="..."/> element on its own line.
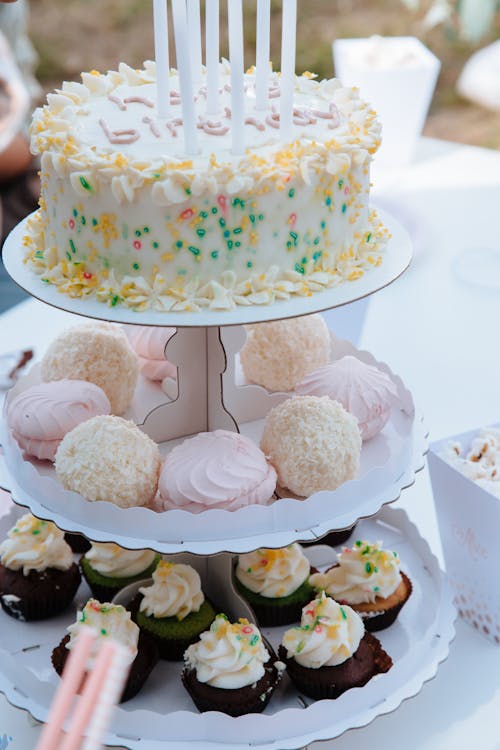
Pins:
<point x="108" y="568"/>
<point x="174" y="610"/>
<point x="275" y="582"/>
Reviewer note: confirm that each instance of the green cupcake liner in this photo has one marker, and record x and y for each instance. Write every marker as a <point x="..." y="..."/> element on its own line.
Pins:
<point x="283" y="610"/>
<point x="104" y="588"/>
<point x="173" y="636"/>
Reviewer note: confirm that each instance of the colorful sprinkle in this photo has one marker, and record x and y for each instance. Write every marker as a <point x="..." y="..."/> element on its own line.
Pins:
<point x="85" y="185"/>
<point x="72" y="246"/>
<point x="137" y="244"/>
<point x="188" y="213"/>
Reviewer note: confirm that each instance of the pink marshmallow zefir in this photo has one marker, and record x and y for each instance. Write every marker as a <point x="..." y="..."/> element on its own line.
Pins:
<point x="149" y="344"/>
<point x="42" y="415"/>
<point x="219" y="469"/>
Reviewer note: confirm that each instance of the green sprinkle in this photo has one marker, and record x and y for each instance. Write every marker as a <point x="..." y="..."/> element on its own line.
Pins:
<point x="39" y="254"/>
<point x="75" y="213"/>
<point x="230" y="244"/>
<point x="317" y="255"/>
<point x="375" y="569"/>
<point x="214" y="210"/>
<point x="254" y="640"/>
<point x="68" y="255"/>
<point x="179" y="244"/>
<point x="323" y="224"/>
<point x="366" y="550"/>
<point x="156" y="175"/>
<point x="358" y="543"/>
<point x="222" y="222"/>
<point x="85" y="185"/>
<point x="203" y="214"/>
<point x="156" y="245"/>
<point x="261" y="217"/>
<point x="187" y="191"/>
<point x="249" y="264"/>
<point x="289" y="245"/>
<point x="83" y="220"/>
<point x="344" y="208"/>
<point x="368" y="236"/>
<point x="304" y="260"/>
<point x="72" y="246"/>
<point x="294" y="235"/>
<point x="237" y="244"/>
<point x="194" y="250"/>
<point x="344" y="616"/>
<point x="301" y="646"/>
<point x="239" y="637"/>
<point x="215" y="254"/>
<point x="106" y="262"/>
<point x="299" y="268"/>
<point x="238" y="230"/>
<point x="114" y="300"/>
<point x="201" y="232"/>
<point x="376" y="588"/>
<point x="146" y="230"/>
<point x="35" y="532"/>
<point x="328" y="201"/>
<point x="291" y="192"/>
<point x="182" y="272"/>
<point x="340" y="183"/>
<point x="224" y="617"/>
<point x="395" y="554"/>
<point x="137" y="232"/>
<point x="249" y="570"/>
<point x="104" y="631"/>
<point x="368" y="568"/>
<point x="136" y="266"/>
<point x="252" y="218"/>
<point x="94" y="222"/>
<point x="227" y="233"/>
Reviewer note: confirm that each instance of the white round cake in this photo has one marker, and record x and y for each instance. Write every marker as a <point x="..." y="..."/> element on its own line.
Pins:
<point x="127" y="216"/>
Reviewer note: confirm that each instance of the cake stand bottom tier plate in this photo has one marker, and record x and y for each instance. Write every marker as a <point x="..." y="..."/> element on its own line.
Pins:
<point x="163" y="715"/>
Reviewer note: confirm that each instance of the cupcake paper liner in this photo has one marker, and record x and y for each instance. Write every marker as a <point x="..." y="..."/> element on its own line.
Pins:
<point x="140" y="669"/>
<point x="380" y="619"/>
<point x="39" y="595"/>
<point x="369" y="660"/>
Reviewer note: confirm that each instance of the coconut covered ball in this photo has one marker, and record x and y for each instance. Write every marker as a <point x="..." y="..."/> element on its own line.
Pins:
<point x="313" y="443"/>
<point x="277" y="355"/>
<point x="99" y="353"/>
<point x="109" y="458"/>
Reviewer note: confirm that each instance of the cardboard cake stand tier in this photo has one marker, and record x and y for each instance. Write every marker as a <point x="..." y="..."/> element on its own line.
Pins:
<point x="396" y="258"/>
<point x="218" y="397"/>
<point x="163" y="717"/>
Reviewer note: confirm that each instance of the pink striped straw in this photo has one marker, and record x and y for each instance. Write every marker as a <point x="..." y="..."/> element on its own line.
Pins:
<point x="70" y="682"/>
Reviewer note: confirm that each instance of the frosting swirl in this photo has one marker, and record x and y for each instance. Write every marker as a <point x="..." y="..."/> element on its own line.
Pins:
<point x="110" y="559"/>
<point x="364" y="572"/>
<point x="219" y="469"/>
<point x="363" y="390"/>
<point x="33" y="544"/>
<point x="176" y="591"/>
<point x="229" y="655"/>
<point x="273" y="572"/>
<point x="40" y="416"/>
<point x="109" y="621"/>
<point x="328" y="634"/>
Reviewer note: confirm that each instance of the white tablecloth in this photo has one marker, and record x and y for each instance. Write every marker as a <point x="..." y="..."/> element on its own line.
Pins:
<point x="440" y="333"/>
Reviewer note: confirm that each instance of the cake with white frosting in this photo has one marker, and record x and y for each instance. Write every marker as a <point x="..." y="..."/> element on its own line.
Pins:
<point x="127" y="217"/>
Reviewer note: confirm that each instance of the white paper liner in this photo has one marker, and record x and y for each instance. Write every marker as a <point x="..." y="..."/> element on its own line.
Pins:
<point x="388" y="464"/>
<point x="163" y="712"/>
<point x="397" y="257"/>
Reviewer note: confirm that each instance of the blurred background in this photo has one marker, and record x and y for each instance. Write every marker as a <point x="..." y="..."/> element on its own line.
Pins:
<point x="75" y="35"/>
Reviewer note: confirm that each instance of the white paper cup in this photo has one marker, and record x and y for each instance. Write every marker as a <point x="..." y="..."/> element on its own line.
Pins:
<point x="397" y="75"/>
<point x="469" y="525"/>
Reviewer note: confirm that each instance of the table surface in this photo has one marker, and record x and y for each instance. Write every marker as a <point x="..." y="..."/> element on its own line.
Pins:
<point x="438" y="328"/>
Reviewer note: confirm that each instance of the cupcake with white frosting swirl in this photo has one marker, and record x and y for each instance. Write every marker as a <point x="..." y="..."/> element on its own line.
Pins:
<point x="330" y="652"/>
<point x="38" y="578"/>
<point x="173" y="610"/>
<point x="275" y="582"/>
<point x="368" y="579"/>
<point x="108" y="568"/>
<point x="231" y="669"/>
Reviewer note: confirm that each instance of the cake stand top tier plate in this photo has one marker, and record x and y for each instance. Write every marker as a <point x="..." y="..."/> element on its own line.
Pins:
<point x="397" y="257"/>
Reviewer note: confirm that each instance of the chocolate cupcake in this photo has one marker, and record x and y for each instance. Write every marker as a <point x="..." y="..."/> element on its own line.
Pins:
<point x="231" y="669"/>
<point x="368" y="579"/>
<point x="38" y="578"/>
<point x="330" y="652"/>
<point x="112" y="620"/>
<point x="174" y="610"/>
<point x="79" y="544"/>
<point x="275" y="582"/>
<point x="108" y="568"/>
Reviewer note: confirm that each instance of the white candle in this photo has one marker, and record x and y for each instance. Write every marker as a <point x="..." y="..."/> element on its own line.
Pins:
<point x="212" y="52"/>
<point x="185" y="79"/>
<point x="235" y="23"/>
<point x="160" y="20"/>
<point x="288" y="42"/>
<point x="263" y="49"/>
<point x="194" y="32"/>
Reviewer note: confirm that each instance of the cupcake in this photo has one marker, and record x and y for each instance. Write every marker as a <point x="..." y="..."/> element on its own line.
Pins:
<point x="111" y="621"/>
<point x="109" y="458"/>
<point x="149" y="343"/>
<point x="368" y="579"/>
<point x="79" y="544"/>
<point x="363" y="390"/>
<point x="330" y="652"/>
<point x="99" y="353"/>
<point x="275" y="582"/>
<point x="333" y="539"/>
<point x="38" y="578"/>
<point x="219" y="469"/>
<point x="278" y="354"/>
<point x="313" y="444"/>
<point x="108" y="568"/>
<point x="230" y="669"/>
<point x="40" y="416"/>
<point x="174" y="610"/>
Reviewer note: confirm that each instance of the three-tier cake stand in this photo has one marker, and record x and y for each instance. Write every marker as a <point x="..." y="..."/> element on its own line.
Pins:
<point x="211" y="393"/>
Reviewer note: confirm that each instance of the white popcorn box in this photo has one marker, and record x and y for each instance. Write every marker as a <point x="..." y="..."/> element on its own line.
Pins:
<point x="399" y="83"/>
<point x="469" y="525"/>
